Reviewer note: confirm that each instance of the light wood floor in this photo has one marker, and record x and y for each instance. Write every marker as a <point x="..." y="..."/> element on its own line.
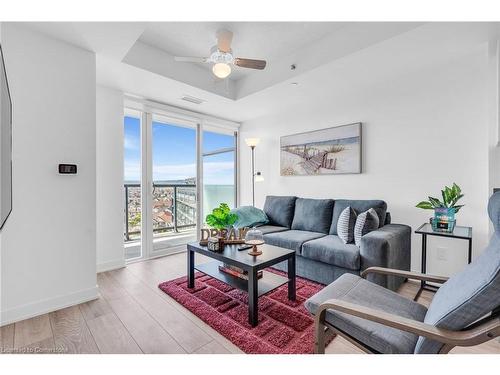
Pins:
<point x="134" y="316"/>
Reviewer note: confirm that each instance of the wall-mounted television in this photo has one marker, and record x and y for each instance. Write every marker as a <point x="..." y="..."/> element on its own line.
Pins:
<point x="5" y="145"/>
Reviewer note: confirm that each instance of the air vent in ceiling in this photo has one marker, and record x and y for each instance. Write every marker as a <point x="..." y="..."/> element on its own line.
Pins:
<point x="192" y="99"/>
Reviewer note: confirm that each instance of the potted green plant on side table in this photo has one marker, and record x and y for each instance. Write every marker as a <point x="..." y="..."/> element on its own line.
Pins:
<point x="444" y="211"/>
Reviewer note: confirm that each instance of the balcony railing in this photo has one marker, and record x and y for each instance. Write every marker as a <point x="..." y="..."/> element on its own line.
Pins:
<point x="174" y="209"/>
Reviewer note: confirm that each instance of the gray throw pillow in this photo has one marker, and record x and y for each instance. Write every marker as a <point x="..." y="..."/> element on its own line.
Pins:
<point x="365" y="223"/>
<point x="345" y="225"/>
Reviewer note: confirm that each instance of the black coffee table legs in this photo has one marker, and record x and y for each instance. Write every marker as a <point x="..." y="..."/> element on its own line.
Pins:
<point x="291" y="278"/>
<point x="253" y="296"/>
<point x="252" y="286"/>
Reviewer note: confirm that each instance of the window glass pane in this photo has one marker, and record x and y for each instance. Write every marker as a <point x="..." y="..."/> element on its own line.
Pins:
<point x="132" y="149"/>
<point x="218" y="181"/>
<point x="214" y="141"/>
<point x="174" y="153"/>
<point x="174" y="166"/>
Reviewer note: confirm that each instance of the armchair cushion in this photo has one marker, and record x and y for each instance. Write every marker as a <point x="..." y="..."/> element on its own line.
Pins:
<point x="331" y="250"/>
<point x="291" y="239"/>
<point x="352" y="288"/>
<point x="279" y="210"/>
<point x="465" y="297"/>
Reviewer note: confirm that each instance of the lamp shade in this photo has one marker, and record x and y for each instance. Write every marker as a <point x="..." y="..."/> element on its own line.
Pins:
<point x="221" y="70"/>
<point x="252" y="142"/>
<point x="259" y="177"/>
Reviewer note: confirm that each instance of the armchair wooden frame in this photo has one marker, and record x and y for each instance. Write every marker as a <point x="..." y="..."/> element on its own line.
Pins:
<point x="477" y="333"/>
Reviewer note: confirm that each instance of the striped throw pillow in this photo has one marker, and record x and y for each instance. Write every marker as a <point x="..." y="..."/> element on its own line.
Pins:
<point x="345" y="225"/>
<point x="365" y="223"/>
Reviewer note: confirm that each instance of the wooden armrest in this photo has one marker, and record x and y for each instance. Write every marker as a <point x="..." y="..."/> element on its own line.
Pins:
<point x="470" y="337"/>
<point x="408" y="274"/>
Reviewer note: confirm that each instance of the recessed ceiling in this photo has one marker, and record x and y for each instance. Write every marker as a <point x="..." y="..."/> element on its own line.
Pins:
<point x="261" y="40"/>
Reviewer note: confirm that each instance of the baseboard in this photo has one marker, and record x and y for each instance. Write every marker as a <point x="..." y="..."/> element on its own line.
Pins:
<point x="48" y="305"/>
<point x="110" y="266"/>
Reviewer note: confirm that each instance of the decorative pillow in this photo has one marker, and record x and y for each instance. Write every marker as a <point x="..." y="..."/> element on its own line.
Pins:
<point x="345" y="225"/>
<point x="365" y="223"/>
<point x="249" y="216"/>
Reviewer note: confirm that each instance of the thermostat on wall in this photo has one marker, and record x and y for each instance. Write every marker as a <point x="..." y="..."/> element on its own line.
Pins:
<point x="67" y="168"/>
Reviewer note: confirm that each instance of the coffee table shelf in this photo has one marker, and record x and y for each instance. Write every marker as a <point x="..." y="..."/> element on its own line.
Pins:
<point x="255" y="287"/>
<point x="268" y="282"/>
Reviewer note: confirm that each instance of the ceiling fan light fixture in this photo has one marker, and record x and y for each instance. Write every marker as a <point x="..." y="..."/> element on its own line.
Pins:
<point x="221" y="70"/>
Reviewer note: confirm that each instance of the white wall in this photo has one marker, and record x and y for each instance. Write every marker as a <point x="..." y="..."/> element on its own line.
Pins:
<point x="110" y="195"/>
<point x="1" y="43"/>
<point x="48" y="243"/>
<point x="422" y="129"/>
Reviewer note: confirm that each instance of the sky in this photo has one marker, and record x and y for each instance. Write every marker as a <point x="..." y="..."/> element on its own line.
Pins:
<point x="174" y="154"/>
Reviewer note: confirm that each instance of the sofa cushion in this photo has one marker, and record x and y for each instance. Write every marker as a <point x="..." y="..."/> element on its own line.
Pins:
<point x="249" y="216"/>
<point x="359" y="206"/>
<point x="366" y="222"/>
<point x="352" y="288"/>
<point x="332" y="250"/>
<point x="279" y="210"/>
<point x="314" y="215"/>
<point x="291" y="239"/>
<point x="345" y="225"/>
<point x="271" y="229"/>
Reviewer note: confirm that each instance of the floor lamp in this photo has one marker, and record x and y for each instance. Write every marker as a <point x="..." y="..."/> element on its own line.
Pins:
<point x="256" y="176"/>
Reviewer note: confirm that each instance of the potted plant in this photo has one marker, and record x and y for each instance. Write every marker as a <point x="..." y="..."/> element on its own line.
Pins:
<point x="221" y="217"/>
<point x="444" y="211"/>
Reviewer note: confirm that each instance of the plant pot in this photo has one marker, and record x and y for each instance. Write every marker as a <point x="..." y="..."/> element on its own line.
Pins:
<point x="444" y="219"/>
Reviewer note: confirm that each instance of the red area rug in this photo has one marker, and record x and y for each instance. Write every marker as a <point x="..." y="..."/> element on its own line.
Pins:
<point x="284" y="326"/>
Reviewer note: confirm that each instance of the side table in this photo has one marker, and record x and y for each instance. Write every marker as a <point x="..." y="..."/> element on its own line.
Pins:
<point x="463" y="233"/>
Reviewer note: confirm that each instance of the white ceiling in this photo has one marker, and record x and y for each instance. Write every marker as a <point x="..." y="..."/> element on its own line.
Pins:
<point x="257" y="40"/>
<point x="329" y="56"/>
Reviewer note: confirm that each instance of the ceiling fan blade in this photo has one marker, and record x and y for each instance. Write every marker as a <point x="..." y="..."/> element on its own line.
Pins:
<point x="224" y="39"/>
<point x="250" y="63"/>
<point x="191" y="59"/>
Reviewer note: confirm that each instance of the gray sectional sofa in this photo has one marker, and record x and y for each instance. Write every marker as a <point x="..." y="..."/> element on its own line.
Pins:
<point x="309" y="226"/>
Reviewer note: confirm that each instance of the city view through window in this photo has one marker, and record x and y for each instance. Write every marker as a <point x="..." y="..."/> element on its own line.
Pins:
<point x="174" y="177"/>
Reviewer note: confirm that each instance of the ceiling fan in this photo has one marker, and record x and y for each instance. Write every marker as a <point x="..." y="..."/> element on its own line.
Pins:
<point x="221" y="56"/>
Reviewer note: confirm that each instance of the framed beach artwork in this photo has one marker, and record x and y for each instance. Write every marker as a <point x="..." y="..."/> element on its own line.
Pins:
<point x="334" y="150"/>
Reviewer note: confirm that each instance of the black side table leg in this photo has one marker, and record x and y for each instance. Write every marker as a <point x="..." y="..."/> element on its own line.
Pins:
<point x="423" y="265"/>
<point x="190" y="268"/>
<point x="424" y="258"/>
<point x="470" y="251"/>
<point x="253" y="295"/>
<point x="291" y="278"/>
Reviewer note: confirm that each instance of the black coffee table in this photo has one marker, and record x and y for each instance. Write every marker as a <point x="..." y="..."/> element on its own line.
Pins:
<point x="255" y="287"/>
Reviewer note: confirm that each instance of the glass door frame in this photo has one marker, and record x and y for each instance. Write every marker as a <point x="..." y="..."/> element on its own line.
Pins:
<point x="183" y="118"/>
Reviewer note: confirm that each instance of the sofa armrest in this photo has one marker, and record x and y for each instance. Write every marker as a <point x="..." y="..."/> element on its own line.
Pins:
<point x="388" y="247"/>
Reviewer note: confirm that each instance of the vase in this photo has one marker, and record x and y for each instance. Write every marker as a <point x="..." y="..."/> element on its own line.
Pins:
<point x="444" y="219"/>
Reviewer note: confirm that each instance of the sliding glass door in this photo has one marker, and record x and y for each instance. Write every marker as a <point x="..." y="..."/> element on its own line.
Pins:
<point x="132" y="184"/>
<point x="174" y="183"/>
<point x="175" y="172"/>
<point x="219" y="169"/>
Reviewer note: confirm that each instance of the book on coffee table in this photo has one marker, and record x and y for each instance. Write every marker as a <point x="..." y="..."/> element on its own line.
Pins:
<point x="242" y="275"/>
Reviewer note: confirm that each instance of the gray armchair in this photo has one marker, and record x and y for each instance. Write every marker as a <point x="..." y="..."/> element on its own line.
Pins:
<point x="464" y="312"/>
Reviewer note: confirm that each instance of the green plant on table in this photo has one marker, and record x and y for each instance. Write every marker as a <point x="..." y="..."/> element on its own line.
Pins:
<point x="221" y="217"/>
<point x="450" y="198"/>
